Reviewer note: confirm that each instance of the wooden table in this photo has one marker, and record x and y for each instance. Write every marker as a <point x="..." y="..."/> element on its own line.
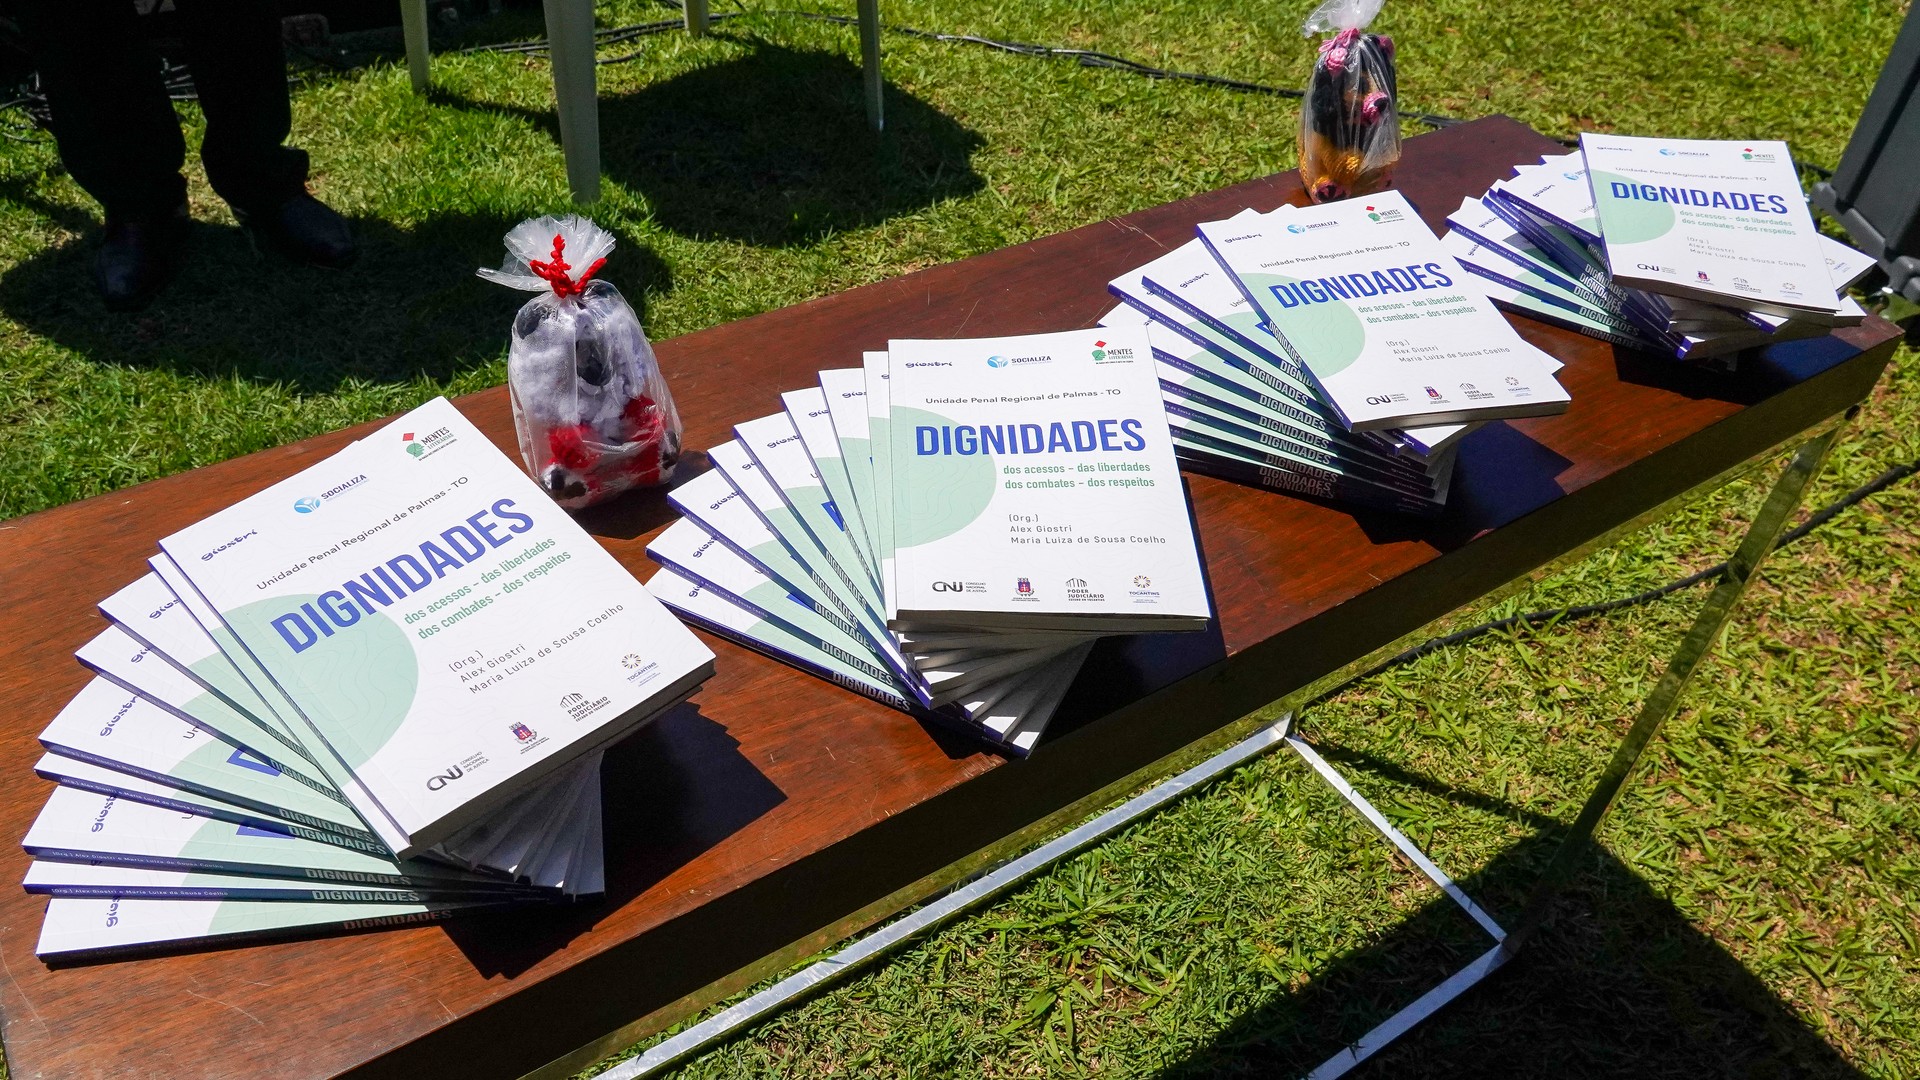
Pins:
<point x="776" y="814"/>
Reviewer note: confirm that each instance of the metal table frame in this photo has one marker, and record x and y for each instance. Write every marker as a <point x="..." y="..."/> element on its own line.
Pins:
<point x="993" y="871"/>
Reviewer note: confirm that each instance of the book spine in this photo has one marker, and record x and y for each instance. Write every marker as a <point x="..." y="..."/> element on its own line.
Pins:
<point x="279" y="762"/>
<point x="222" y="866"/>
<point x="865" y="666"/>
<point x="891" y="700"/>
<point x="252" y="821"/>
<point x="247" y="937"/>
<point x="827" y="610"/>
<point x="1349" y="488"/>
<point x="1419" y="487"/>
<point x="195" y="788"/>
<point x="1577" y="327"/>
<point x="194" y="892"/>
<point x="1278" y="479"/>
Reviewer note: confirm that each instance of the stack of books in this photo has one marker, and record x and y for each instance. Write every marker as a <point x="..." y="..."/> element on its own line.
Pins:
<point x="1334" y="351"/>
<point x="948" y="528"/>
<point x="1694" y="249"/>
<point x="374" y="694"/>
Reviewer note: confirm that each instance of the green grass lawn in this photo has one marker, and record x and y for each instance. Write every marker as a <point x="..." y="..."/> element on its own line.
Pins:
<point x="1754" y="913"/>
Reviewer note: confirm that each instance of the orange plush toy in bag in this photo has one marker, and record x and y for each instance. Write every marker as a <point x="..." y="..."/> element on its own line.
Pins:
<point x="1349" y="122"/>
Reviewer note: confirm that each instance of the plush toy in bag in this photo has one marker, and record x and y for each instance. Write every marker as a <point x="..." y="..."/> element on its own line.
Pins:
<point x="589" y="402"/>
<point x="1349" y="123"/>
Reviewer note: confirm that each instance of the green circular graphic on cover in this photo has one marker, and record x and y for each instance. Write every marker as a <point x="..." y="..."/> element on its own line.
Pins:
<point x="1630" y="221"/>
<point x="361" y="677"/>
<point x="946" y="492"/>
<point x="1329" y="336"/>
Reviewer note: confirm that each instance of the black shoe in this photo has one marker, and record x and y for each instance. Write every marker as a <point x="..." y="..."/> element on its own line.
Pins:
<point x="303" y="229"/>
<point x="137" y="259"/>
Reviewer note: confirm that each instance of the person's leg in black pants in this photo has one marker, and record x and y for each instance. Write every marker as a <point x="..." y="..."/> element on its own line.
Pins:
<point x="240" y="73"/>
<point x="120" y="139"/>
<point x="117" y="134"/>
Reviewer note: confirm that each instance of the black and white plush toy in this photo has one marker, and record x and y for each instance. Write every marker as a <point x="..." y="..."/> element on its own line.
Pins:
<point x="589" y="403"/>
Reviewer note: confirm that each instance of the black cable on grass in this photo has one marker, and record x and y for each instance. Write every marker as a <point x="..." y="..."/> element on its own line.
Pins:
<point x="1712" y="573"/>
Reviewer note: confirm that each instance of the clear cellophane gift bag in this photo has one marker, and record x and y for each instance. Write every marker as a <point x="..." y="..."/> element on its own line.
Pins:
<point x="589" y="403"/>
<point x="1349" y="121"/>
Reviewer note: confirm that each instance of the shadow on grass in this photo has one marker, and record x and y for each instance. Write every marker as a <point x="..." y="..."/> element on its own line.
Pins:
<point x="1618" y="983"/>
<point x="772" y="148"/>
<point x="410" y="308"/>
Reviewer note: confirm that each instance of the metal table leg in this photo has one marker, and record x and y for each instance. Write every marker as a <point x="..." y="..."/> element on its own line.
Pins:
<point x="1762" y="534"/>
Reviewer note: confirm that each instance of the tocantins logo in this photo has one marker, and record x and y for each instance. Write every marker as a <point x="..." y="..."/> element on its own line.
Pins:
<point x="306" y="505"/>
<point x="632" y="662"/>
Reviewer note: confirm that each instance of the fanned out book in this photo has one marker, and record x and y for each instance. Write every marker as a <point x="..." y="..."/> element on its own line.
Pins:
<point x="1699" y="250"/>
<point x="375" y="694"/>
<point x="1336" y="352"/>
<point x="948" y="528"/>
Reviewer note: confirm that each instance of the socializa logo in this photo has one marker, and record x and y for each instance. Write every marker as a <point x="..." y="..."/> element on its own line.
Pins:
<point x="306" y="505"/>
<point x="1664" y="152"/>
<point x="1295" y="229"/>
<point x="996" y="361"/>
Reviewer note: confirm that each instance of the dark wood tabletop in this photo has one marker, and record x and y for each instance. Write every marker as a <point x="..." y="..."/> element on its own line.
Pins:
<point x="774" y="805"/>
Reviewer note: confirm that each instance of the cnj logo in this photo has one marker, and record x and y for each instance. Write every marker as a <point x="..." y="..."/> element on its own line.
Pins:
<point x="946" y="586"/>
<point x="440" y="780"/>
<point x="306" y="505"/>
<point x="997" y="361"/>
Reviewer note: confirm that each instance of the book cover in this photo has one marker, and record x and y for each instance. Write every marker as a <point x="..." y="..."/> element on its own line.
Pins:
<point x="1218" y="308"/>
<point x="1714" y="220"/>
<point x="1033" y="485"/>
<point x="1362" y="295"/>
<point x="445" y="628"/>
